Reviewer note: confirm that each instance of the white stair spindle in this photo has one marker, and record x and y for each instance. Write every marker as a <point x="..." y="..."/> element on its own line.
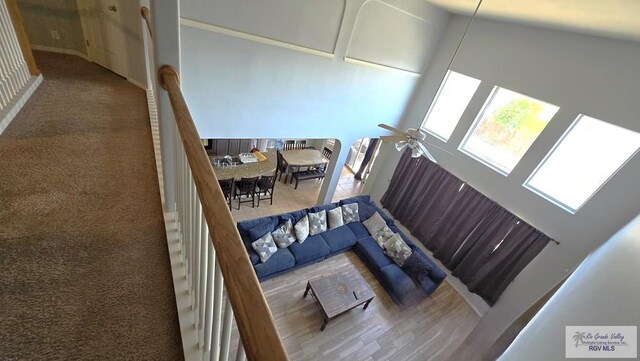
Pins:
<point x="226" y="331"/>
<point x="209" y="303"/>
<point x="218" y="288"/>
<point x="240" y="354"/>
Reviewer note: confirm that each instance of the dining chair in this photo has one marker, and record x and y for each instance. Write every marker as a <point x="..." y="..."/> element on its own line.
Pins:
<point x="281" y="167"/>
<point x="227" y="186"/>
<point x="264" y="188"/>
<point x="289" y="144"/>
<point x="326" y="152"/>
<point x="246" y="187"/>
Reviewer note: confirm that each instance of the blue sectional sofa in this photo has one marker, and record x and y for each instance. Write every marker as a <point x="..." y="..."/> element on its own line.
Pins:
<point x="400" y="286"/>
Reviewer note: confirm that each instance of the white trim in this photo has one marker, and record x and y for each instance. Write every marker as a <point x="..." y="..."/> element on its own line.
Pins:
<point x="186" y="316"/>
<point x="381" y="67"/>
<point x="189" y="334"/>
<point x="259" y="39"/>
<point x="137" y="83"/>
<point x="60" y="51"/>
<point x="12" y="109"/>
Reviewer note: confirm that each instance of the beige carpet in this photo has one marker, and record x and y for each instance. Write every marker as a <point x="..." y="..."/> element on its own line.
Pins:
<point x="84" y="266"/>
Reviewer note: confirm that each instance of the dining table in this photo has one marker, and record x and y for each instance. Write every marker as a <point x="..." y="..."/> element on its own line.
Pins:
<point x="245" y="170"/>
<point x="299" y="158"/>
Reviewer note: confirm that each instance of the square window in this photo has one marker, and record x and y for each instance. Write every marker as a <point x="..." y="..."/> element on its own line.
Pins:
<point x="589" y="153"/>
<point x="505" y="128"/>
<point x="452" y="99"/>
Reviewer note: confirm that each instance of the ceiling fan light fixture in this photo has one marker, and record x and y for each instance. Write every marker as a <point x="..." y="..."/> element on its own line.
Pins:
<point x="400" y="145"/>
<point x="416" y="152"/>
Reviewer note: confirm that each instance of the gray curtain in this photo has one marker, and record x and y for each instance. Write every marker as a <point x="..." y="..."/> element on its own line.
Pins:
<point x="420" y="194"/>
<point x="483" y="244"/>
<point x="496" y="259"/>
<point x="451" y="237"/>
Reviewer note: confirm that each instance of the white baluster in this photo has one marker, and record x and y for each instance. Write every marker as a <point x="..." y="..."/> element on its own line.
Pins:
<point x="218" y="288"/>
<point x="209" y="297"/>
<point x="203" y="289"/>
<point x="226" y="331"/>
<point x="240" y="354"/>
<point x="196" y="264"/>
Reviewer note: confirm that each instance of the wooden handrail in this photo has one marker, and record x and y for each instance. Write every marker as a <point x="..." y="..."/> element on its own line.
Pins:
<point x="257" y="329"/>
<point x="146" y="15"/>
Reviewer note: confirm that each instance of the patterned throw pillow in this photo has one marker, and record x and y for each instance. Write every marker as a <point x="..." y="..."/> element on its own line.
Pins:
<point x="374" y="223"/>
<point x="397" y="249"/>
<point x="283" y="235"/>
<point x="317" y="222"/>
<point x="335" y="218"/>
<point x="265" y="247"/>
<point x="350" y="213"/>
<point x="302" y="229"/>
<point x="383" y="235"/>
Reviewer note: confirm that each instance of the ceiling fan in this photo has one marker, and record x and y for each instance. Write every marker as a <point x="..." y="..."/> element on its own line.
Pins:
<point x="412" y="138"/>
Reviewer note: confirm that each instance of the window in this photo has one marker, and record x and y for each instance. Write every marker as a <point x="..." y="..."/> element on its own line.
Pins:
<point x="452" y="99"/>
<point x="505" y="128"/>
<point x="586" y="156"/>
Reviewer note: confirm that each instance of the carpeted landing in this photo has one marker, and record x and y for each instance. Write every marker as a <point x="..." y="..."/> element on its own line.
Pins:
<point x="84" y="266"/>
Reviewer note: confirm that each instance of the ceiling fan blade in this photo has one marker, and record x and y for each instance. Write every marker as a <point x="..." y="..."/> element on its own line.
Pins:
<point x="392" y="138"/>
<point x="395" y="130"/>
<point x="426" y="152"/>
<point x="431" y="146"/>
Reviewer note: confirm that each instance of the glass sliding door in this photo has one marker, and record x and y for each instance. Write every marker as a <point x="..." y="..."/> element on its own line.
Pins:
<point x="356" y="154"/>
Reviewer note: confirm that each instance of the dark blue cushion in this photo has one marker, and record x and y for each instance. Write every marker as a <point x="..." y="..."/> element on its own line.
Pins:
<point x="364" y="198"/>
<point x="371" y="253"/>
<point x="358" y="229"/>
<point x="324" y="207"/>
<point x="397" y="281"/>
<point x="281" y="260"/>
<point x="366" y="210"/>
<point x="244" y="227"/>
<point x="437" y="275"/>
<point x="339" y="239"/>
<point x="295" y="216"/>
<point x="389" y="220"/>
<point x="313" y="248"/>
<point x="261" y="229"/>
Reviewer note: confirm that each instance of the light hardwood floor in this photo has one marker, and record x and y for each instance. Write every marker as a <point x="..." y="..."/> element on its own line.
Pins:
<point x="431" y="330"/>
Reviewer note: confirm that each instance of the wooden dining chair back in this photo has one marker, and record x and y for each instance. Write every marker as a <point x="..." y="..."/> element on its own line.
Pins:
<point x="246" y="187"/>
<point x="227" y="187"/>
<point x="264" y="188"/>
<point x="326" y="152"/>
<point x="289" y="144"/>
<point x="281" y="167"/>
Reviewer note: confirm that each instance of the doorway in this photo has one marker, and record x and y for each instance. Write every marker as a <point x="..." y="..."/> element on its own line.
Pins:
<point x="104" y="33"/>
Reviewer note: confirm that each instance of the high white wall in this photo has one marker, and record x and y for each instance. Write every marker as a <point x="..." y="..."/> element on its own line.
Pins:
<point x="587" y="298"/>
<point x="303" y="69"/>
<point x="132" y="24"/>
<point x="42" y="16"/>
<point x="581" y="74"/>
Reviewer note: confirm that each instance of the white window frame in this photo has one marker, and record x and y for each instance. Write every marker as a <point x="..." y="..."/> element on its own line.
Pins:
<point x="423" y="126"/>
<point x="557" y="202"/>
<point x="478" y="119"/>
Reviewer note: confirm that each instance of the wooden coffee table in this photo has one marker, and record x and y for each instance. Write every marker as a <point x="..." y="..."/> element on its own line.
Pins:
<point x="339" y="292"/>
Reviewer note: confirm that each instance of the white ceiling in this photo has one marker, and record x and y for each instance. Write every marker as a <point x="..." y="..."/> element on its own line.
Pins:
<point x="611" y="18"/>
